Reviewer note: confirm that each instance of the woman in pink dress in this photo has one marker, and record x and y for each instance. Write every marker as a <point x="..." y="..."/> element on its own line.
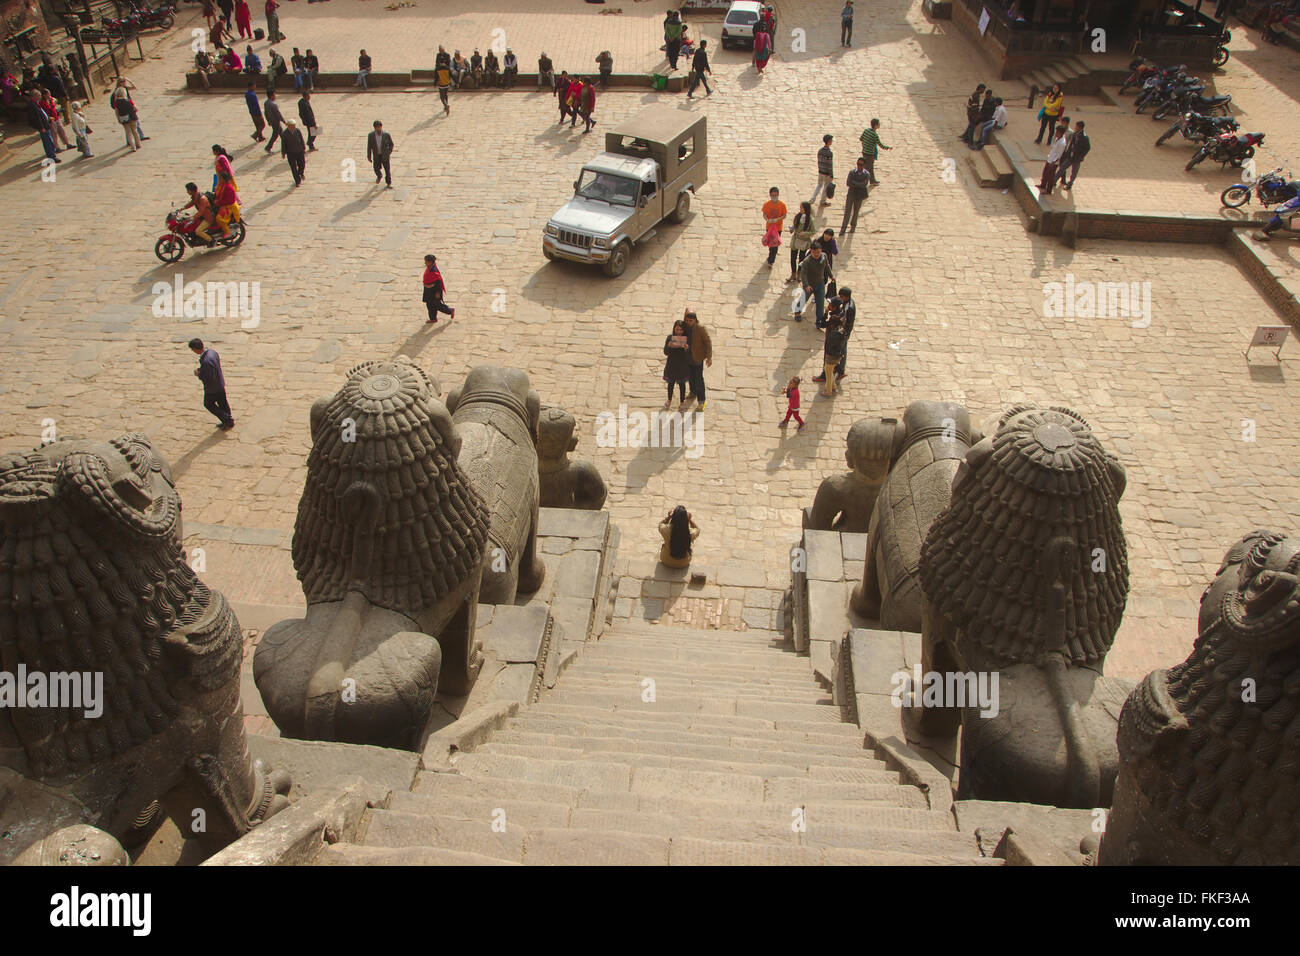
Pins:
<point x="762" y="49"/>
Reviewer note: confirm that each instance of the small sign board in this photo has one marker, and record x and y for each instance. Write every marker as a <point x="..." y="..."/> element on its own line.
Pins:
<point x="984" y="20"/>
<point x="1270" y="337"/>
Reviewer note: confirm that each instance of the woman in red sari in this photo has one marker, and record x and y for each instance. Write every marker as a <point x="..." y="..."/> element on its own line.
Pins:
<point x="762" y="49"/>
<point x="227" y="202"/>
<point x="244" y="19"/>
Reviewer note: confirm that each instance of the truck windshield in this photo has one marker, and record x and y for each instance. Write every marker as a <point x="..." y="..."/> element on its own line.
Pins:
<point x="619" y="190"/>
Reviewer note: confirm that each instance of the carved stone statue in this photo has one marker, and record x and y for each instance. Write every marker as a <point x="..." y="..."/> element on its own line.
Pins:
<point x="565" y="483"/>
<point x="388" y="544"/>
<point x="121" y="683"/>
<point x="496" y="414"/>
<point x="845" y="502"/>
<point x="1209" y="749"/>
<point x="1026" y="576"/>
<point x="929" y="446"/>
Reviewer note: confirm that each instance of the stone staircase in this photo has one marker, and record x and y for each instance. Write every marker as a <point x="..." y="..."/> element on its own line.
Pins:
<point x="664" y="745"/>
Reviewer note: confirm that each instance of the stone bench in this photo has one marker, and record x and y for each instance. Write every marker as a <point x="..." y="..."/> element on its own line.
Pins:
<point x="346" y="82"/>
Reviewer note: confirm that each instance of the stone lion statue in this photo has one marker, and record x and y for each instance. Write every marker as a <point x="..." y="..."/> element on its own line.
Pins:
<point x="1025" y="576"/>
<point x="97" y="599"/>
<point x="388" y="545"/>
<point x="1209" y="749"/>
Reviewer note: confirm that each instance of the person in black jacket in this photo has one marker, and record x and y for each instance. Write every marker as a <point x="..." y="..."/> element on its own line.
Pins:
<point x="308" y="117"/>
<point x="38" y="120"/>
<point x="294" y="150"/>
<point x="214" y="383"/>
<point x="677" y="367"/>
<point x="700" y="66"/>
<point x="1074" y="154"/>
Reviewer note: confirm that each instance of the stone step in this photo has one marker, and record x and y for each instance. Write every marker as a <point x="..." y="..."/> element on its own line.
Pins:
<point x="531" y="814"/>
<point x="734" y="725"/>
<point x="864" y="771"/>
<point x="809" y="743"/>
<point x="689" y="851"/>
<point x="1079" y="67"/>
<point x="1001" y="165"/>
<point x="668" y="688"/>
<point x="717" y="750"/>
<point x="779" y="828"/>
<point x="666" y="704"/>
<point x="601" y="837"/>
<point x="982" y="168"/>
<point x="675" y="650"/>
<point x="635" y="670"/>
<point x="355" y="854"/>
<point x="434" y="789"/>
<point x="632" y="627"/>
<point x="542" y="846"/>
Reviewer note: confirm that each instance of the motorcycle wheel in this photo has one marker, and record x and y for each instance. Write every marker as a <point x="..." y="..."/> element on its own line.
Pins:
<point x="169" y="248"/>
<point x="1220" y="56"/>
<point x="1161" y="113"/>
<point x="1200" y="155"/>
<point x="1167" y="133"/>
<point x="1234" y="197"/>
<point x="236" y="235"/>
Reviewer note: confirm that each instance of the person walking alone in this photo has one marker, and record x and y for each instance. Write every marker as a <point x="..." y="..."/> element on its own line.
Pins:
<point x="274" y="119"/>
<point x="442" y="74"/>
<point x="255" y="111"/>
<point x="774" y="221"/>
<point x="871" y="145"/>
<point x="846" y="24"/>
<point x="701" y="355"/>
<point x="308" y="117"/>
<point x="295" y="151"/>
<point x="700" y="67"/>
<point x="214" y="383"/>
<point x="857" y="189"/>
<point x="379" y="149"/>
<point x="435" y="291"/>
<point x="825" y="171"/>
<point x="792" y="403"/>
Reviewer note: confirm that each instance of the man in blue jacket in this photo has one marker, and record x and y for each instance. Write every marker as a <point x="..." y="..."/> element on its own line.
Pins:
<point x="214" y="383"/>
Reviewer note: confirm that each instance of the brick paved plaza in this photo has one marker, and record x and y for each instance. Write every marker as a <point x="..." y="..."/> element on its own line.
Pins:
<point x="948" y="282"/>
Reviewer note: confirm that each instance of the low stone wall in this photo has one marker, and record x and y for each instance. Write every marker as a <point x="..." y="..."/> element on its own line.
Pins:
<point x="404" y="82"/>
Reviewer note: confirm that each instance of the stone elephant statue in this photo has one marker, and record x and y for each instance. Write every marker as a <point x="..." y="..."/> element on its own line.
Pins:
<point x="140" y="662"/>
<point x="928" y="447"/>
<point x="388" y="543"/>
<point x="496" y="414"/>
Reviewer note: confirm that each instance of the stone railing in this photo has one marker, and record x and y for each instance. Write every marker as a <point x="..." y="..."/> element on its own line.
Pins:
<point x="423" y="79"/>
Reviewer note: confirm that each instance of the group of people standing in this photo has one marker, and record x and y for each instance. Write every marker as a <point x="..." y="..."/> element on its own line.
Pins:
<point x="1066" y="146"/>
<point x="687" y="350"/>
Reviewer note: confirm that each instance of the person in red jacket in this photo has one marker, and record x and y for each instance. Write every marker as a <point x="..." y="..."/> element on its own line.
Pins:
<point x="587" y="104"/>
<point x="244" y="19"/>
<point x="792" y="403"/>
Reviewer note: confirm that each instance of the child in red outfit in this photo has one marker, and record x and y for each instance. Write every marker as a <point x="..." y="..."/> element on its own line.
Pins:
<point x="792" y="408"/>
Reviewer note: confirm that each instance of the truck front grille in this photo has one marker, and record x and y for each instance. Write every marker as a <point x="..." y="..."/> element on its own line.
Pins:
<point x="575" y="239"/>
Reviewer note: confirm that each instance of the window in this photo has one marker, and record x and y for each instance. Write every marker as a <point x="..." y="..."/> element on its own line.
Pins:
<point x="633" y="146"/>
<point x="686" y="148"/>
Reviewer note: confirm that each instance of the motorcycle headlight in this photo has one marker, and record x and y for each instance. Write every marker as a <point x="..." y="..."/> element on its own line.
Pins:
<point x="552" y="230"/>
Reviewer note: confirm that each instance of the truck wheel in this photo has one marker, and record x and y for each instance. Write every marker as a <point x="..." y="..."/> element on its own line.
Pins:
<point x="616" y="264"/>
<point x="683" y="207"/>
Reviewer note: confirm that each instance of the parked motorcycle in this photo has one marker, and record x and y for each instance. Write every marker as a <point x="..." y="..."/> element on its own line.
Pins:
<point x="1228" y="149"/>
<point x="1192" y="100"/>
<point x="1271" y="189"/>
<point x="1158" y="85"/>
<point x="181" y="233"/>
<point x="1221" y="54"/>
<point x="1144" y="70"/>
<point x="1197" y="127"/>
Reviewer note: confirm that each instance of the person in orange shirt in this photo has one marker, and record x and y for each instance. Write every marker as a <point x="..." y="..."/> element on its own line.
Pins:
<point x="774" y="220"/>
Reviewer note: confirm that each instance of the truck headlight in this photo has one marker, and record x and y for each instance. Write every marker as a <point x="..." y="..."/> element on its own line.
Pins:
<point x="552" y="230"/>
<point x="600" y="243"/>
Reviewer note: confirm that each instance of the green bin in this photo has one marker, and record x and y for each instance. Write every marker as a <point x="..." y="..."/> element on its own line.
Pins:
<point x="660" y="81"/>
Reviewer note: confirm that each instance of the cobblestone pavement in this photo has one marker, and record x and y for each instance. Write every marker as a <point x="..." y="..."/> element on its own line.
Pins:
<point x="950" y="292"/>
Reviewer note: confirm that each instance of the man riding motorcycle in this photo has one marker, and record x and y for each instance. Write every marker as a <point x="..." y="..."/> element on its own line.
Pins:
<point x="204" y="217"/>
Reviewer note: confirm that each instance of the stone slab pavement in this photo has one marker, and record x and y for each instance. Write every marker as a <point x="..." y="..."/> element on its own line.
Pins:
<point x="950" y="292"/>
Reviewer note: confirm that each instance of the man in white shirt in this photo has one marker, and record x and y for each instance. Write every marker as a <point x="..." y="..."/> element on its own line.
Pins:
<point x="999" y="121"/>
<point x="1051" y="168"/>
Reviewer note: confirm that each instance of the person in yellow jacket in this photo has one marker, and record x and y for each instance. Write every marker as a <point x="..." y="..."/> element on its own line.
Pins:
<point x="1053" y="107"/>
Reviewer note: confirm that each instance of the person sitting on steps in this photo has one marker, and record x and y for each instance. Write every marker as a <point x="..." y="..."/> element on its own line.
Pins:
<point x="679" y="532"/>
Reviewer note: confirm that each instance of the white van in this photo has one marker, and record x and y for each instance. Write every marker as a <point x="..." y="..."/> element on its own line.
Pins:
<point x="738" y="27"/>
